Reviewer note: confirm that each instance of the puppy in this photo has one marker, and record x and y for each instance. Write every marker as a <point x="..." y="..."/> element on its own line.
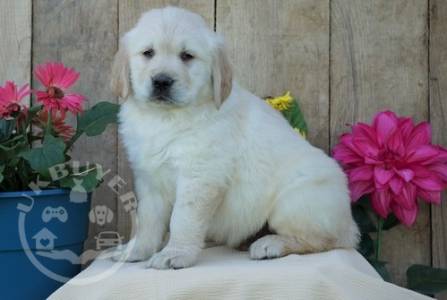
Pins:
<point x="210" y="159"/>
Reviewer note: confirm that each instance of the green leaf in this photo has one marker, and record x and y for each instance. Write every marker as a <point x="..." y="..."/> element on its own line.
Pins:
<point x="380" y="267"/>
<point x="88" y="181"/>
<point x="363" y="219"/>
<point x="366" y="245"/>
<point x="6" y="128"/>
<point x="295" y="117"/>
<point x="10" y="149"/>
<point x="49" y="154"/>
<point x="2" y="168"/>
<point x="390" y="222"/>
<point x="95" y="120"/>
<point x="33" y="110"/>
<point x="365" y="202"/>
<point x="427" y="280"/>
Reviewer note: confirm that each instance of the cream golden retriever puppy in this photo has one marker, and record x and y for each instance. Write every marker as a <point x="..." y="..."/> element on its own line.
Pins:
<point x="210" y="159"/>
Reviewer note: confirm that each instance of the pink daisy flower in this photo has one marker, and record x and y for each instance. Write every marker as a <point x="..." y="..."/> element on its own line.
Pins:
<point x="10" y="98"/>
<point x="57" y="79"/>
<point x="61" y="128"/>
<point x="393" y="161"/>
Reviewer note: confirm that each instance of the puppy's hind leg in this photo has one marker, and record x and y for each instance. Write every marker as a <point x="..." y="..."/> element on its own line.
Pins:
<point x="307" y="218"/>
<point x="274" y="245"/>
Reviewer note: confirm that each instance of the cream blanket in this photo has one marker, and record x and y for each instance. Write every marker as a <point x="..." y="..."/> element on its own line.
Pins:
<point x="222" y="273"/>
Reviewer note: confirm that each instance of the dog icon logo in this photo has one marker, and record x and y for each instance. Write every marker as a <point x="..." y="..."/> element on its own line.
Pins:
<point x="100" y="215"/>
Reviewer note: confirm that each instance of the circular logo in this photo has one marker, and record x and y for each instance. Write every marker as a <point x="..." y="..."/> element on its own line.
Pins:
<point x="44" y="243"/>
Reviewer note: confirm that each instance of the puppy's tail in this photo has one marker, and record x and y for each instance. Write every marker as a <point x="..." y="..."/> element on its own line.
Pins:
<point x="351" y="238"/>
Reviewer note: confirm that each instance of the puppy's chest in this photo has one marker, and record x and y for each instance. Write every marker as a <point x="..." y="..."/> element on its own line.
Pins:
<point x="156" y="147"/>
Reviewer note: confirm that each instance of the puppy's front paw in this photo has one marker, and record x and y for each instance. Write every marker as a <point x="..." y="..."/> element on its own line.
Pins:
<point x="174" y="258"/>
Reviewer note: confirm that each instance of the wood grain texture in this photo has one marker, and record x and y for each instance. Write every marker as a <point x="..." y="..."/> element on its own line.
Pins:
<point x="15" y="41"/>
<point x="129" y="13"/>
<point x="83" y="35"/>
<point x="280" y="46"/>
<point x="379" y="61"/>
<point x="438" y="118"/>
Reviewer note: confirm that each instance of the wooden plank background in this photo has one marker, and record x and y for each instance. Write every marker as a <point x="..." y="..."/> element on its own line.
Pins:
<point x="343" y="59"/>
<point x="15" y="41"/>
<point x="83" y="35"/>
<point x="379" y="60"/>
<point x="438" y="117"/>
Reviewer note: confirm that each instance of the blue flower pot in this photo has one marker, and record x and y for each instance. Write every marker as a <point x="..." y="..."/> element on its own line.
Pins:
<point x="42" y="237"/>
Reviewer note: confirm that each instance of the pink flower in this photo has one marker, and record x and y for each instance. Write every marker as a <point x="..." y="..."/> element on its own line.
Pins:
<point x="61" y="128"/>
<point x="10" y="98"/>
<point x="394" y="161"/>
<point x="57" y="79"/>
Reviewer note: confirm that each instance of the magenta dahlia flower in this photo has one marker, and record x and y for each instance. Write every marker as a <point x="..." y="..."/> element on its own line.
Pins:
<point x="57" y="79"/>
<point x="10" y="98"/>
<point x="395" y="163"/>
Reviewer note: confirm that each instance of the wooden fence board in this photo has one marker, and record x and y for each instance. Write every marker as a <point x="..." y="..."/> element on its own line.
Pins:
<point x="83" y="35"/>
<point x="438" y="118"/>
<point x="379" y="61"/>
<point x="280" y="46"/>
<point x="129" y="13"/>
<point x="15" y="41"/>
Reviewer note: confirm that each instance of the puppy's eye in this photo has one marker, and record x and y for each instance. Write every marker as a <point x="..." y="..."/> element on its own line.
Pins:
<point x="149" y="53"/>
<point x="186" y="56"/>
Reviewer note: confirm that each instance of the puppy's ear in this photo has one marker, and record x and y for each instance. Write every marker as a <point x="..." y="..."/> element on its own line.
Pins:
<point x="222" y="75"/>
<point x="120" y="81"/>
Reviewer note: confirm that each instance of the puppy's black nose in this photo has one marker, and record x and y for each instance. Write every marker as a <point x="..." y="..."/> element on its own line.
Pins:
<point x="162" y="82"/>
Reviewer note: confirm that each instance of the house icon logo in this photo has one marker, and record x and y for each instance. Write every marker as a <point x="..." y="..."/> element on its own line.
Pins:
<point x="44" y="239"/>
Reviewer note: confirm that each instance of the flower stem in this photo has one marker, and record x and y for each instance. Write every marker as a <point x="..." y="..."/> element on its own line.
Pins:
<point x="379" y="237"/>
<point x="49" y="123"/>
<point x="73" y="140"/>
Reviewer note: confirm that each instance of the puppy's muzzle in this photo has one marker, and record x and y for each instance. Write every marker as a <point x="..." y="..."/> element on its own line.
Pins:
<point x="162" y="84"/>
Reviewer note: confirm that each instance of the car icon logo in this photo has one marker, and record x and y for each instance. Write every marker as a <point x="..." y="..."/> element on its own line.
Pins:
<point x="106" y="239"/>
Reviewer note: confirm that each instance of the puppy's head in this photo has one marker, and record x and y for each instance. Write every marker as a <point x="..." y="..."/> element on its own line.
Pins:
<point x="171" y="58"/>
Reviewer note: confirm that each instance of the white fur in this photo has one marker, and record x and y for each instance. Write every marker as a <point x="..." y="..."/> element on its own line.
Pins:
<point x="220" y="173"/>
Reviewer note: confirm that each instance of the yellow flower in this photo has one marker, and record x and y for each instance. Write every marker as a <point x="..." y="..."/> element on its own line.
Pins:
<point x="280" y="103"/>
<point x="300" y="132"/>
